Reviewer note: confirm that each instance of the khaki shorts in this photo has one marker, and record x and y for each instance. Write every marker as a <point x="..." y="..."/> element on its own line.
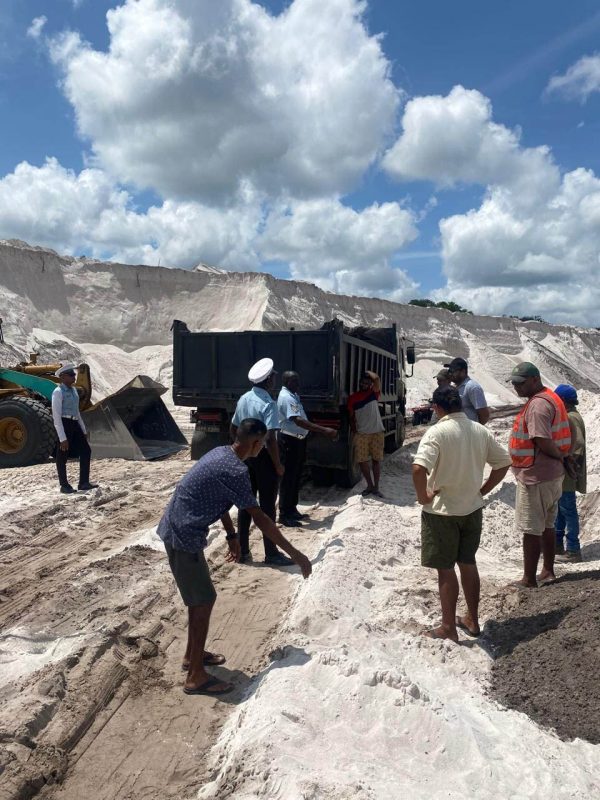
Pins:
<point x="447" y="540"/>
<point x="368" y="445"/>
<point x="536" y="506"/>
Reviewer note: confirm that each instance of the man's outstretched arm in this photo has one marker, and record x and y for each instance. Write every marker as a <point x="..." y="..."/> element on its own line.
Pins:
<point x="272" y="532"/>
<point x="233" y="540"/>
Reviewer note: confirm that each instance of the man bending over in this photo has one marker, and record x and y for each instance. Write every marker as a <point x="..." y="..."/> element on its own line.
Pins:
<point x="219" y="480"/>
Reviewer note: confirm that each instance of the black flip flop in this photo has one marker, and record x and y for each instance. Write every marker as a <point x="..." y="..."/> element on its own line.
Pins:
<point x="205" y="687"/>
<point x="213" y="660"/>
<point x="464" y="628"/>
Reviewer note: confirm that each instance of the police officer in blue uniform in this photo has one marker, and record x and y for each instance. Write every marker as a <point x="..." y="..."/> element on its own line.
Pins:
<point x="266" y="468"/>
<point x="295" y="427"/>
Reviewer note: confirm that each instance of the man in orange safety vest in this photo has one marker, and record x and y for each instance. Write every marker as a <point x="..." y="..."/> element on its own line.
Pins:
<point x="539" y="448"/>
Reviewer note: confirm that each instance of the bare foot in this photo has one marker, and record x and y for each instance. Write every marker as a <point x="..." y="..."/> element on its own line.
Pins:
<point x="546" y="576"/>
<point x="210" y="660"/>
<point x="467" y="625"/>
<point x="442" y="633"/>
<point x="522" y="584"/>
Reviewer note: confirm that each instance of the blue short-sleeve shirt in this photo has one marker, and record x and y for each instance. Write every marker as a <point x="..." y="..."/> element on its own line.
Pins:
<point x="257" y="404"/>
<point x="472" y="398"/>
<point x="218" y="481"/>
<point x="290" y="406"/>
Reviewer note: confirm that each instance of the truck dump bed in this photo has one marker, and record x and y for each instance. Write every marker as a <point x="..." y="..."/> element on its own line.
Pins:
<point x="212" y="368"/>
<point x="216" y="364"/>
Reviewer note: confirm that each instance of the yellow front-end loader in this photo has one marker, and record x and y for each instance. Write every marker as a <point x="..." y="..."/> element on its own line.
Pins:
<point x="133" y="423"/>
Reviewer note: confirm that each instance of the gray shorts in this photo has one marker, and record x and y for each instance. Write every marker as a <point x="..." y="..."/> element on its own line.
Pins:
<point x="192" y="577"/>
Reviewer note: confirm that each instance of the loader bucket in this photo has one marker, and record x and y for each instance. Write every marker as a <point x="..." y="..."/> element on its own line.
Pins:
<point x="134" y="423"/>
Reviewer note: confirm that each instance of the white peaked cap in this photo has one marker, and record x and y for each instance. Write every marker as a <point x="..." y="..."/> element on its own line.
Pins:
<point x="65" y="368"/>
<point x="261" y="370"/>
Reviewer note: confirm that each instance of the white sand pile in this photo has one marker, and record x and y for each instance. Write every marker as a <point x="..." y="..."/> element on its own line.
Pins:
<point x="358" y="706"/>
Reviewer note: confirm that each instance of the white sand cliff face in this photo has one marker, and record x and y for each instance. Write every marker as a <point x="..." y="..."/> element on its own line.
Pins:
<point x="127" y="311"/>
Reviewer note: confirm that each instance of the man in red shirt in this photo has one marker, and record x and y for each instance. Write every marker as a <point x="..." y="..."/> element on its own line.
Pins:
<point x="369" y="433"/>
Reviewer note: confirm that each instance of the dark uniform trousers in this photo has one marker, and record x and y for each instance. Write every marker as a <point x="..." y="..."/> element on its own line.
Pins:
<point x="78" y="448"/>
<point x="265" y="483"/>
<point x="293" y="454"/>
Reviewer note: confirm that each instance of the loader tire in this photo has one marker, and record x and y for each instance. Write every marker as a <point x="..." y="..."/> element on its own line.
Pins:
<point x="27" y="434"/>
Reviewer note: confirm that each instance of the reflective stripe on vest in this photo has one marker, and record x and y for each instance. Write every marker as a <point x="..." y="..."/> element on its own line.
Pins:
<point x="522" y="448"/>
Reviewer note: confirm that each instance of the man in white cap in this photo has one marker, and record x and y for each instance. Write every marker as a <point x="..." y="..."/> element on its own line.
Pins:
<point x="71" y="432"/>
<point x="266" y="468"/>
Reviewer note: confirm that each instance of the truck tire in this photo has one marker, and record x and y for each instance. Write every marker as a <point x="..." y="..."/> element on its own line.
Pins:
<point x="400" y="431"/>
<point x="349" y="477"/>
<point x="27" y="434"/>
<point x="203" y="441"/>
<point x="394" y="441"/>
<point x="322" y="476"/>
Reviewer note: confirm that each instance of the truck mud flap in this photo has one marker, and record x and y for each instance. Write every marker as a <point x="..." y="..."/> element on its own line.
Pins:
<point x="134" y="423"/>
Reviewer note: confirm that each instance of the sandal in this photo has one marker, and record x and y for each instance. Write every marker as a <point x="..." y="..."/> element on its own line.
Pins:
<point x="460" y="624"/>
<point x="210" y="660"/>
<point x="205" y="688"/>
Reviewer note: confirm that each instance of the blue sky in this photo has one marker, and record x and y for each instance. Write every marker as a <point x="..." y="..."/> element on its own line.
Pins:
<point x="508" y="52"/>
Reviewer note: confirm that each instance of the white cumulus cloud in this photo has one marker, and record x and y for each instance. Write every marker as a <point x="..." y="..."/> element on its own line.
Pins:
<point x="580" y="81"/>
<point x="323" y="241"/>
<point x="340" y="249"/>
<point x="534" y="241"/>
<point x="193" y="97"/>
<point x="453" y="139"/>
<point x="34" y="31"/>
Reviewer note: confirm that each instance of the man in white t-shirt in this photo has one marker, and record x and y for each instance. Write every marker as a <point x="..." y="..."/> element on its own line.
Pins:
<point x="448" y="473"/>
<point x="367" y="427"/>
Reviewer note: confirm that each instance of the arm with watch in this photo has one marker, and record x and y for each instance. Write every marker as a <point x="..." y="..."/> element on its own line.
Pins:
<point x="232" y="538"/>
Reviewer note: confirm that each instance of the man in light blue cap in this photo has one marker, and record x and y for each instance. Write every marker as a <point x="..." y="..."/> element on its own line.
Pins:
<point x="567" y="518"/>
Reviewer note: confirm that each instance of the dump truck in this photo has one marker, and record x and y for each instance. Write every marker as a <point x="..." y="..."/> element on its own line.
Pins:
<point x="132" y="423"/>
<point x="210" y="373"/>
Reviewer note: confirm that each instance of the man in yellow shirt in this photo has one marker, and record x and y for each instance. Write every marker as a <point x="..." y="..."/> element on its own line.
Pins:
<point x="448" y="476"/>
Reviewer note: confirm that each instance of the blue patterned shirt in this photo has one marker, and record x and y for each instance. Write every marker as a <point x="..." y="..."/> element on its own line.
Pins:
<point x="217" y="482"/>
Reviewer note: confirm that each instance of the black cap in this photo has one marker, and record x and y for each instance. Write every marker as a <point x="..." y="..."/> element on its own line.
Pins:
<point x="457" y="363"/>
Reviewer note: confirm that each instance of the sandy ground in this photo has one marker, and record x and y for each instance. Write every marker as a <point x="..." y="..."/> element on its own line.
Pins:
<point x="337" y="697"/>
<point x="93" y="633"/>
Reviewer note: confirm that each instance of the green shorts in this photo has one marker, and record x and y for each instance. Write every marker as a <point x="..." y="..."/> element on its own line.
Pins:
<point x="192" y="577"/>
<point x="448" y="540"/>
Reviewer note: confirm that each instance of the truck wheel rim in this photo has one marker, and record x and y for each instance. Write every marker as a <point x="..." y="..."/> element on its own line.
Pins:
<point x="13" y="435"/>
